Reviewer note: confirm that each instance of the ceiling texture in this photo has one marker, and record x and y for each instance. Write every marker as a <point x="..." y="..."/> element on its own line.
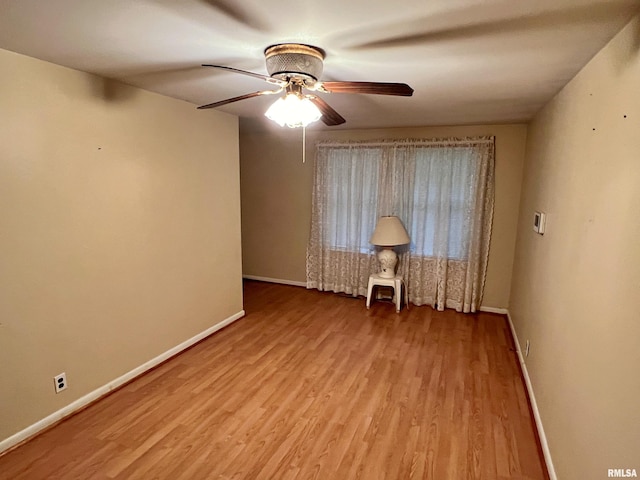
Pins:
<point x="469" y="61"/>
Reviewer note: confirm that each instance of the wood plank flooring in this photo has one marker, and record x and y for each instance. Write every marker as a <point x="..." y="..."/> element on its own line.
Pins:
<point x="310" y="385"/>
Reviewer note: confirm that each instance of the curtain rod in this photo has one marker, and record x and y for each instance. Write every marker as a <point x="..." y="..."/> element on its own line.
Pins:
<point x="408" y="142"/>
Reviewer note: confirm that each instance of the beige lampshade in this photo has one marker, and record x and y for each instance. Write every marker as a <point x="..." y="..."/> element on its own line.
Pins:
<point x="389" y="232"/>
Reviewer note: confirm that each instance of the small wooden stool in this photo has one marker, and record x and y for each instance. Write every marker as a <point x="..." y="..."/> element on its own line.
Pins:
<point x="397" y="283"/>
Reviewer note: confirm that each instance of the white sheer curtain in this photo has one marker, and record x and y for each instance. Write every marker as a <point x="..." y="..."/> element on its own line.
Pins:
<point x="442" y="190"/>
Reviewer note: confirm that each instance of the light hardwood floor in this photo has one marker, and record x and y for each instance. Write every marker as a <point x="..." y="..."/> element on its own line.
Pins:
<point x="310" y="385"/>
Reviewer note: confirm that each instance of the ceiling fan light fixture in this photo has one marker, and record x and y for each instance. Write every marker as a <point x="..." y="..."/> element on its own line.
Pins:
<point x="294" y="111"/>
<point x="294" y="59"/>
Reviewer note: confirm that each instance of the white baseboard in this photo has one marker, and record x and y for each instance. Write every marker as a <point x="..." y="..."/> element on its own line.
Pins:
<point x="105" y="389"/>
<point x="275" y="280"/>
<point x="502" y="311"/>
<point x="534" y="406"/>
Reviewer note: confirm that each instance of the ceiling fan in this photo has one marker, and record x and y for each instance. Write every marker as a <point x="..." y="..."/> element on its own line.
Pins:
<point x="294" y="68"/>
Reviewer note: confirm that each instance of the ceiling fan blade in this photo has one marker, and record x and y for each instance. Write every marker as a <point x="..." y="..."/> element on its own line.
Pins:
<point x="329" y="116"/>
<point x="237" y="99"/>
<point x="274" y="81"/>
<point x="373" y="88"/>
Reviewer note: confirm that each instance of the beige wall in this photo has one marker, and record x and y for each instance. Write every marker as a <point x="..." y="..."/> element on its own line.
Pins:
<point x="575" y="290"/>
<point x="276" y="196"/>
<point x="119" y="231"/>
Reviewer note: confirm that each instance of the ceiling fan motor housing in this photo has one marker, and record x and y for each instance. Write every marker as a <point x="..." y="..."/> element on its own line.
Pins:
<point x="294" y="60"/>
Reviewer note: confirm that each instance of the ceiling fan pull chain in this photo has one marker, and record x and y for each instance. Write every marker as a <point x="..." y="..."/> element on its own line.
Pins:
<point x="304" y="143"/>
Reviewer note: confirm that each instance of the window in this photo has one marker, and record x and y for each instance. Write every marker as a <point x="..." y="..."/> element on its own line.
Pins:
<point x="441" y="201"/>
<point x="354" y="184"/>
<point x="437" y="191"/>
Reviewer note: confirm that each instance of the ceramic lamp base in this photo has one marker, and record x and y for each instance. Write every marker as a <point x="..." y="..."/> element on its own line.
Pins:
<point x="388" y="260"/>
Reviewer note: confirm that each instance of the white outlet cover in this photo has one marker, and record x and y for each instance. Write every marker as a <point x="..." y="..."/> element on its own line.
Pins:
<point x="60" y="382"/>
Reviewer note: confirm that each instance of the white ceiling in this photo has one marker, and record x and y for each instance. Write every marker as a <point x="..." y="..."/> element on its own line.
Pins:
<point x="469" y="61"/>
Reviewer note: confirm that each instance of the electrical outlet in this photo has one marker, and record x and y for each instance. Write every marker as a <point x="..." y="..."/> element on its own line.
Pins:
<point x="526" y="348"/>
<point x="60" y="382"/>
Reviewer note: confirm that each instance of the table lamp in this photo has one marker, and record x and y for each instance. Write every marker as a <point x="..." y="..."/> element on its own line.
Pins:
<point x="389" y="233"/>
